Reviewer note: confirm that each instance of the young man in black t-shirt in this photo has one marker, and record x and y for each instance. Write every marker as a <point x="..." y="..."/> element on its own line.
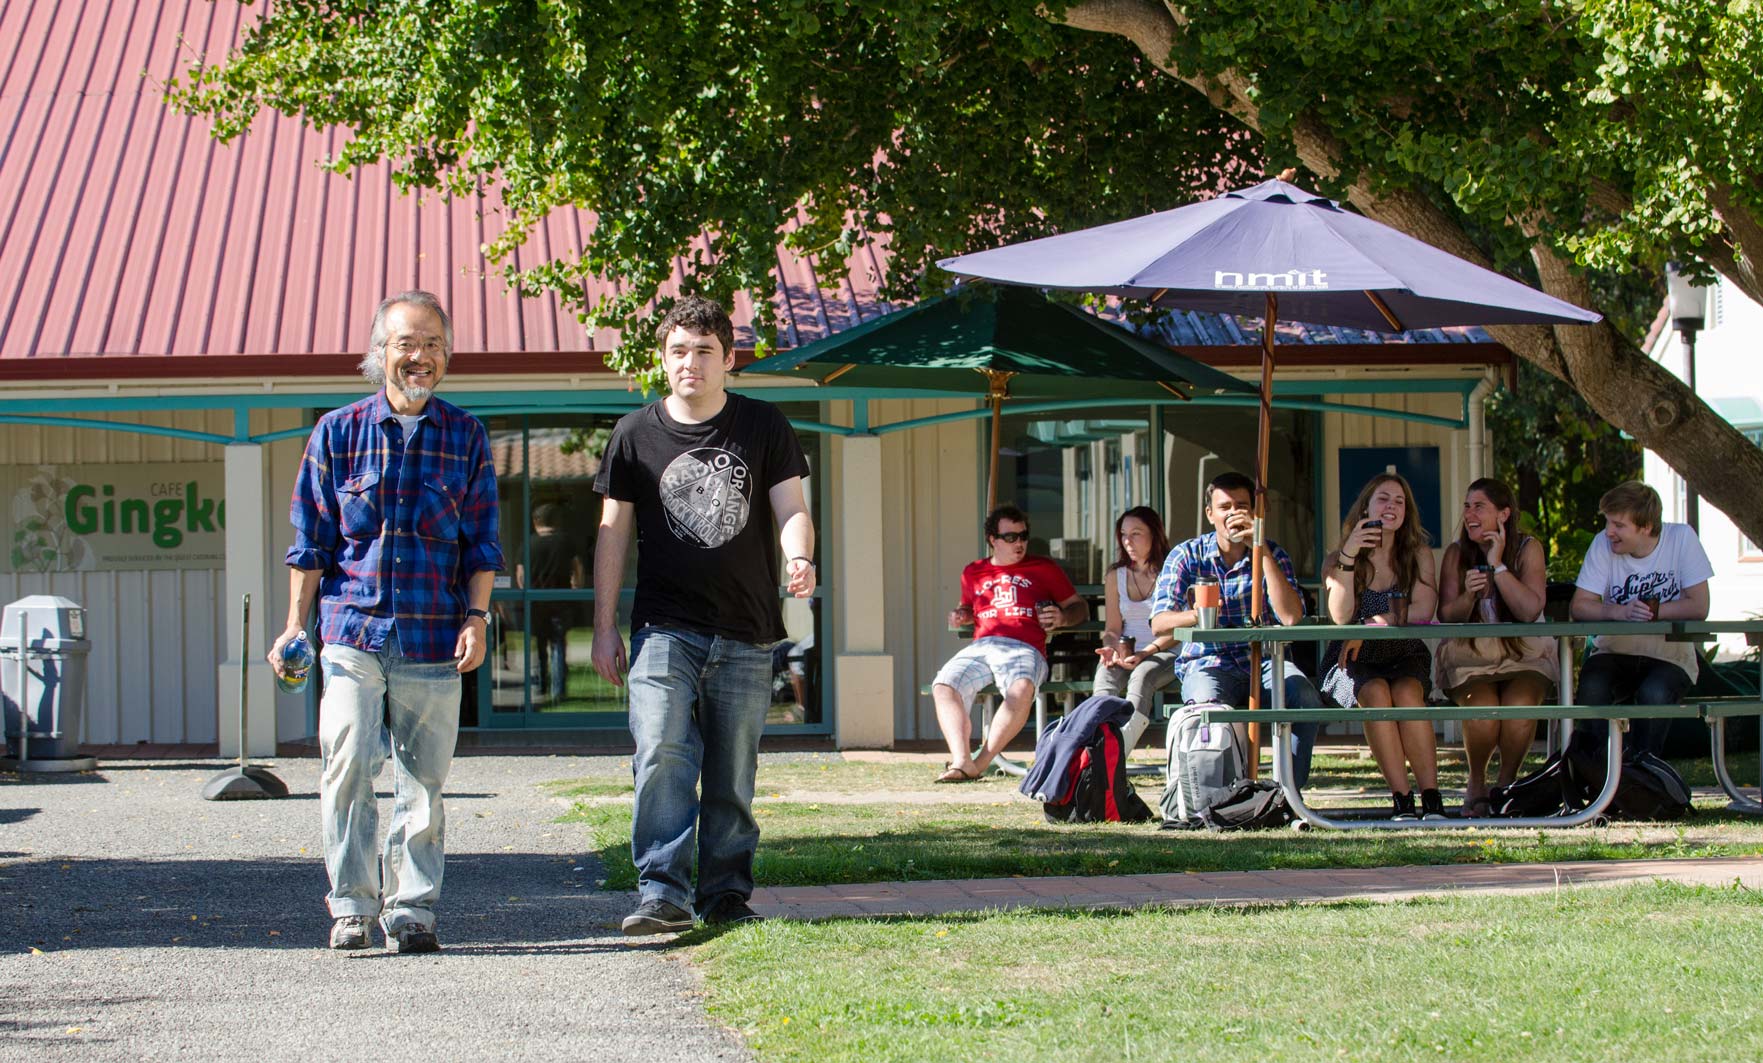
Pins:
<point x="698" y="476"/>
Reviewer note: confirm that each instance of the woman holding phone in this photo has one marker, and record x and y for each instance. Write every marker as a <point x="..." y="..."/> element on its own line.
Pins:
<point x="1492" y="573"/>
<point x="1379" y="574"/>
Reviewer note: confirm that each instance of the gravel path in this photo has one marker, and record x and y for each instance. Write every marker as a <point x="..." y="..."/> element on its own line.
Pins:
<point x="170" y="927"/>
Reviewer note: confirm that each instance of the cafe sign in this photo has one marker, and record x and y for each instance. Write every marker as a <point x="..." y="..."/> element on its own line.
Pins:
<point x="98" y="518"/>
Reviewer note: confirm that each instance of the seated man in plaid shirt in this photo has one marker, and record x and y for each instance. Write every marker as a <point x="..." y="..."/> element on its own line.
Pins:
<point x="395" y="534"/>
<point x="1219" y="672"/>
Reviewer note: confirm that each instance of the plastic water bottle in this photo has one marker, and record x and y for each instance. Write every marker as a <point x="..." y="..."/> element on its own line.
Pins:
<point x="297" y="660"/>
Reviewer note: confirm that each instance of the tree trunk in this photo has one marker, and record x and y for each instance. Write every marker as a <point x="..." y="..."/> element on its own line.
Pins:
<point x="1619" y="382"/>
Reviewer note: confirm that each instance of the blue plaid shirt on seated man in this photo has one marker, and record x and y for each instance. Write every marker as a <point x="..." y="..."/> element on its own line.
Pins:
<point x="1198" y="557"/>
<point x="397" y="529"/>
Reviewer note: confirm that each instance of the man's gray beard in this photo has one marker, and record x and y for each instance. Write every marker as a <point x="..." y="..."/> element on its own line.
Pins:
<point x="414" y="392"/>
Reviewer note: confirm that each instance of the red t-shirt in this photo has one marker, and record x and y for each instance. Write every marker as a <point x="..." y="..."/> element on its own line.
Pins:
<point x="1003" y="597"/>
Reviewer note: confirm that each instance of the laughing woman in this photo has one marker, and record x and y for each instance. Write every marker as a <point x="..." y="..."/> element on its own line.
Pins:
<point x="1380" y="574"/>
<point x="1491" y="561"/>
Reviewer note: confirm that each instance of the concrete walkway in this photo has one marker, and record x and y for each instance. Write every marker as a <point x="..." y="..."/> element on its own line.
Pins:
<point x="168" y="927"/>
<point x="1199" y="888"/>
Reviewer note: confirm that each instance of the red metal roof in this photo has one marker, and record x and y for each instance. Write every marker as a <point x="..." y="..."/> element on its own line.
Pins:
<point x="131" y="232"/>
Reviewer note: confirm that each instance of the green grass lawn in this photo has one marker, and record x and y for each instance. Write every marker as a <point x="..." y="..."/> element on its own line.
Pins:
<point x="1655" y="972"/>
<point x="826" y="820"/>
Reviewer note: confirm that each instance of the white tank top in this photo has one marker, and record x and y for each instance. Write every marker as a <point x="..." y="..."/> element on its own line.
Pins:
<point x="1135" y="617"/>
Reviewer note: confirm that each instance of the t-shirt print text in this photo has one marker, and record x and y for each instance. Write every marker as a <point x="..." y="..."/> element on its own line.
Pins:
<point x="707" y="495"/>
<point x="1660" y="585"/>
<point x="1005" y="598"/>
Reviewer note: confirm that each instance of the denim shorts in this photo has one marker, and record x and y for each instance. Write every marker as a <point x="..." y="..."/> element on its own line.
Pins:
<point x="995" y="660"/>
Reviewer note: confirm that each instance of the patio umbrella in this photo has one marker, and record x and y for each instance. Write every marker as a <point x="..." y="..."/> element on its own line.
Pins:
<point x="1277" y="251"/>
<point x="1005" y="343"/>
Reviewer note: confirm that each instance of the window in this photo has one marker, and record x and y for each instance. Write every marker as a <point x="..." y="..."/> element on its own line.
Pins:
<point x="1201" y="442"/>
<point x="539" y="672"/>
<point x="1073" y="475"/>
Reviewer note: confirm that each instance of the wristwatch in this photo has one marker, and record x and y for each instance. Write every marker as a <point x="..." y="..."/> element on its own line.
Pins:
<point x="479" y="613"/>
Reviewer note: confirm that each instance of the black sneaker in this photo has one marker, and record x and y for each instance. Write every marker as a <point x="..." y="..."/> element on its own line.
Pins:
<point x="656" y="917"/>
<point x="412" y="938"/>
<point x="351" y="932"/>
<point x="730" y="910"/>
<point x="1432" y="806"/>
<point x="1403" y="806"/>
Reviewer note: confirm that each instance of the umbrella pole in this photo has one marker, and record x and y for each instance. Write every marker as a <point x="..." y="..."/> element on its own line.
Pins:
<point x="1257" y="576"/>
<point x="992" y="476"/>
<point x="996" y="393"/>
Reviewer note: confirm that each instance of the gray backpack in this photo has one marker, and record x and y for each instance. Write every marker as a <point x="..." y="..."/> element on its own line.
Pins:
<point x="1205" y="761"/>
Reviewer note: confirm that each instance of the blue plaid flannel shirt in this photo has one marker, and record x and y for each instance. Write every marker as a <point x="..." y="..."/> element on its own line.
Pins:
<point x="1199" y="557"/>
<point x="396" y="530"/>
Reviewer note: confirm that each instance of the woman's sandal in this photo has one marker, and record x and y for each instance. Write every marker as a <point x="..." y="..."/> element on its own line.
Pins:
<point x="1478" y="808"/>
<point x="953" y="775"/>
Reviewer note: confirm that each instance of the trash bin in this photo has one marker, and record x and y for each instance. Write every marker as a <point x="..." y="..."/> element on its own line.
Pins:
<point x="54" y="679"/>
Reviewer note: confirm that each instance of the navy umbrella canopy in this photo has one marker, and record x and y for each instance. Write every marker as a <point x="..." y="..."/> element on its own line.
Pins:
<point x="1326" y="265"/>
<point x="1273" y="250"/>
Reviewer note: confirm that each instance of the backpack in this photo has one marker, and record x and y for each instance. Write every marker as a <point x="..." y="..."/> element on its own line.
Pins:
<point x="1205" y="761"/>
<point x="1649" y="788"/>
<point x="1252" y="804"/>
<point x="1097" y="790"/>
<point x="1551" y="790"/>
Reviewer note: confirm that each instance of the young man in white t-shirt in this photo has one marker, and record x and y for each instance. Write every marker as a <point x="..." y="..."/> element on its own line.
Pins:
<point x="1640" y="569"/>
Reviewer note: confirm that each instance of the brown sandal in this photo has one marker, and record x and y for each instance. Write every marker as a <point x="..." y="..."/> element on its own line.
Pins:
<point x="954" y="774"/>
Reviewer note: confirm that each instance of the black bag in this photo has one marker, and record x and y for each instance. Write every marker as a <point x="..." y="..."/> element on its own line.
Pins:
<point x="1649" y="788"/>
<point x="1252" y="804"/>
<point x="1551" y="790"/>
<point x="1099" y="791"/>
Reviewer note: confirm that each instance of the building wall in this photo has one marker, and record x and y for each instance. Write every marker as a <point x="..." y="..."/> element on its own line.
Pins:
<point x="933" y="492"/>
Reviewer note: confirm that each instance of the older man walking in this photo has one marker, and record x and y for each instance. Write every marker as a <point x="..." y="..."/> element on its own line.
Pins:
<point x="395" y="534"/>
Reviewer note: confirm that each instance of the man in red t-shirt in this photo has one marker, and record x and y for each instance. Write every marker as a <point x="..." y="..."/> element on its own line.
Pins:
<point x="1013" y="601"/>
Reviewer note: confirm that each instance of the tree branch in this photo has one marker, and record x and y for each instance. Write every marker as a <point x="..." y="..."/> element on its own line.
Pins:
<point x="1152" y="28"/>
<point x="1747" y="238"/>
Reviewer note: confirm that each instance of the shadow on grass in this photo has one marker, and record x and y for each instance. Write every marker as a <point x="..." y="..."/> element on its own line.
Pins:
<point x="865" y="843"/>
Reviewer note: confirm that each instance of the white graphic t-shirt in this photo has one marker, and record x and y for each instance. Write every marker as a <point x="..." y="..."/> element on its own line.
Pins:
<point x="1676" y="564"/>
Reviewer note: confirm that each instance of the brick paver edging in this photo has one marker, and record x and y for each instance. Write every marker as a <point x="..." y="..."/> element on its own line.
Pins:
<point x="1193" y="889"/>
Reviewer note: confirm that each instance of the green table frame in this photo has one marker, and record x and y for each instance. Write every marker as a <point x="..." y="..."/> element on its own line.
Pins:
<point x="1276" y="638"/>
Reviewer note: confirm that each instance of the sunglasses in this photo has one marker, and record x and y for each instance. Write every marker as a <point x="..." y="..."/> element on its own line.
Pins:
<point x="1012" y="537"/>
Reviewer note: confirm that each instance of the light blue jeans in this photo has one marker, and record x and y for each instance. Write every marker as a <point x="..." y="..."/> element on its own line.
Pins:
<point x="422" y="702"/>
<point x="698" y="705"/>
<point x="1230" y="686"/>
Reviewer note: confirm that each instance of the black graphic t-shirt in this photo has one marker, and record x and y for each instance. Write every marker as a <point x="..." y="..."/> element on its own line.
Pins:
<point x="706" y="541"/>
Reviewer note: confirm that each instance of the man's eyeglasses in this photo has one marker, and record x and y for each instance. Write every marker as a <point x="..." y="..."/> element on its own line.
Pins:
<point x="1012" y="537"/>
<point x="408" y="347"/>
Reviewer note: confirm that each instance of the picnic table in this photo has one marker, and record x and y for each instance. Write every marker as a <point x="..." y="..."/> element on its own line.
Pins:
<point x="1276" y="638"/>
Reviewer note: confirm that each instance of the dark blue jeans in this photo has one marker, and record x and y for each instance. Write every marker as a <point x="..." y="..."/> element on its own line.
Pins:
<point x="1618" y="678"/>
<point x="1230" y="686"/>
<point x="698" y="705"/>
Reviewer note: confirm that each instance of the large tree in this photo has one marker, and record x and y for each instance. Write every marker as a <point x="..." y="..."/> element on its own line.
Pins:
<point x="1564" y="141"/>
